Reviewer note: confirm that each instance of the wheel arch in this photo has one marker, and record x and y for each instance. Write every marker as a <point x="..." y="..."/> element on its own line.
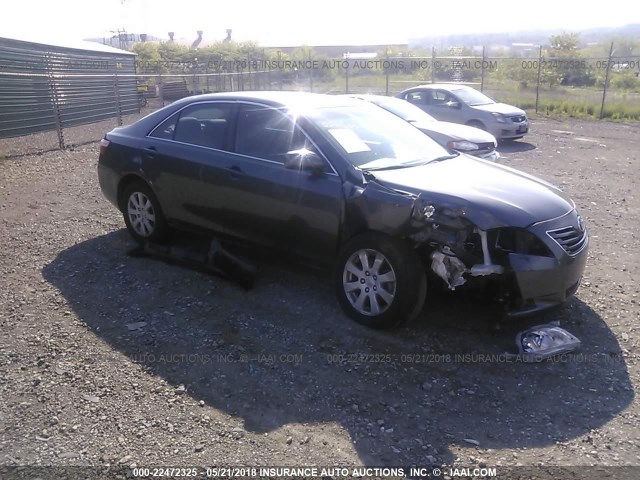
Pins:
<point x="477" y="123"/>
<point x="411" y="281"/>
<point x="124" y="182"/>
<point x="366" y="230"/>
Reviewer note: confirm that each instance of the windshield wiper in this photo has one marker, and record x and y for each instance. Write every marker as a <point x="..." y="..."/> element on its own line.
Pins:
<point x="414" y="163"/>
<point x="394" y="167"/>
<point x="444" y="157"/>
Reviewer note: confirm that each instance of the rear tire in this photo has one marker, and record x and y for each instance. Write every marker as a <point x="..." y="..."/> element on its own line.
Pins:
<point x="143" y="214"/>
<point x="380" y="281"/>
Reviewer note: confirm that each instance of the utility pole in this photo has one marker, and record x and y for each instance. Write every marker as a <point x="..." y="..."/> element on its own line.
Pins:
<point x="606" y="81"/>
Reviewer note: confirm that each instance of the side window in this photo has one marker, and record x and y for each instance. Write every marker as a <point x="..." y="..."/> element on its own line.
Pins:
<point x="442" y="99"/>
<point x="267" y="133"/>
<point x="418" y="98"/>
<point x="206" y="125"/>
<point x="166" y="129"/>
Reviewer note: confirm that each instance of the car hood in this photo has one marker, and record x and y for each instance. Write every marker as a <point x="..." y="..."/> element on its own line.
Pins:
<point x="490" y="195"/>
<point x="502" y="108"/>
<point x="456" y="131"/>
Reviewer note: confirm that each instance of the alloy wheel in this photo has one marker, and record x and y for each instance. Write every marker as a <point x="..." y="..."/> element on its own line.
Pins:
<point x="141" y="214"/>
<point x="369" y="282"/>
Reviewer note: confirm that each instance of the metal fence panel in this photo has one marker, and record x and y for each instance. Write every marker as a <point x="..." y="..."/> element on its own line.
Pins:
<point x="47" y="87"/>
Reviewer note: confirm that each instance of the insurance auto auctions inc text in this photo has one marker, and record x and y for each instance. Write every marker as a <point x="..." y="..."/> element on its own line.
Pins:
<point x="350" y="472"/>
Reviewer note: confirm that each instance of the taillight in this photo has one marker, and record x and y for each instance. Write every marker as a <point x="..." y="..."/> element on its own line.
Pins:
<point x="104" y="143"/>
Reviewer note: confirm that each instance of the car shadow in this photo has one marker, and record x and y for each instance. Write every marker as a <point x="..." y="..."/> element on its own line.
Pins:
<point x="514" y="146"/>
<point x="283" y="353"/>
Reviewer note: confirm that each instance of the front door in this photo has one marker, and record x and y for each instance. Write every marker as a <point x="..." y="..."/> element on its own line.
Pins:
<point x="294" y="210"/>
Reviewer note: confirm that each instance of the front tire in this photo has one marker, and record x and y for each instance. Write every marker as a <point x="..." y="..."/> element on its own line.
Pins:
<point x="143" y="214"/>
<point x="380" y="281"/>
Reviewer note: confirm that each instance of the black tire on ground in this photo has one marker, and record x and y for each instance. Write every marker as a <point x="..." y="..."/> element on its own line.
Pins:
<point x="143" y="214"/>
<point x="389" y="290"/>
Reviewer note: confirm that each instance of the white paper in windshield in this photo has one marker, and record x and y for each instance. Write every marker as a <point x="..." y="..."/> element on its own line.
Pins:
<point x="349" y="140"/>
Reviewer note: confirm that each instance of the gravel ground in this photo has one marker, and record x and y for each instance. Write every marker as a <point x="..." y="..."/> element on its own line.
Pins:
<point x="111" y="360"/>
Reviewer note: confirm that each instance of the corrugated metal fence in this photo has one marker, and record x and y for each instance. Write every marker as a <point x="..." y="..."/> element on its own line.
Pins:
<point x="44" y="87"/>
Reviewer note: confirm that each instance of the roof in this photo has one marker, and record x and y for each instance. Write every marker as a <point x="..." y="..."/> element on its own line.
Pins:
<point x="444" y="86"/>
<point x="370" y="97"/>
<point x="283" y="98"/>
<point x="69" y="44"/>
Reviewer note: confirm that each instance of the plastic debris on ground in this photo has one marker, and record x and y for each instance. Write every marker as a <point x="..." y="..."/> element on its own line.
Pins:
<point x="217" y="261"/>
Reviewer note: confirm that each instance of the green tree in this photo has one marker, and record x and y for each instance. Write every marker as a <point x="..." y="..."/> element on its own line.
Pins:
<point x="568" y="65"/>
<point x="625" y="80"/>
<point x="565" y="43"/>
<point x="148" y="60"/>
<point x="174" y="56"/>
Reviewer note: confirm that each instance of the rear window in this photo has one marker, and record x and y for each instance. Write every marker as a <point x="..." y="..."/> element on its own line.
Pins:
<point x="166" y="129"/>
<point x="205" y="125"/>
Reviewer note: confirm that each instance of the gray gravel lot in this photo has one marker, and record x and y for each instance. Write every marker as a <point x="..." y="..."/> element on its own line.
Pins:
<point x="107" y="359"/>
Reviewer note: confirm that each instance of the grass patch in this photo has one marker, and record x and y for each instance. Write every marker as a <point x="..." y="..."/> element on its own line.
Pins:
<point x="572" y="102"/>
<point x="569" y="108"/>
<point x="559" y="101"/>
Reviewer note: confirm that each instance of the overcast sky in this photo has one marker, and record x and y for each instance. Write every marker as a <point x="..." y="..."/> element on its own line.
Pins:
<point x="295" y="22"/>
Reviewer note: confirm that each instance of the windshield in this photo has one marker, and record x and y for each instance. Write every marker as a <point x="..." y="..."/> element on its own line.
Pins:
<point x="473" y="97"/>
<point x="374" y="139"/>
<point x="404" y="110"/>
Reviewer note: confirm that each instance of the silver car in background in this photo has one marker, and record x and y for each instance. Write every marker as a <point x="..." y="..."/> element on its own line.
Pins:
<point x="457" y="103"/>
<point x="469" y="140"/>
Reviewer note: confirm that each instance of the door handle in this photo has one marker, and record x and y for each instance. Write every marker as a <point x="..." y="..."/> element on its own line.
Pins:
<point x="235" y="172"/>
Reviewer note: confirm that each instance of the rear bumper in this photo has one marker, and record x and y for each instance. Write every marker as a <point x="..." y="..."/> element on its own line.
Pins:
<point x="108" y="180"/>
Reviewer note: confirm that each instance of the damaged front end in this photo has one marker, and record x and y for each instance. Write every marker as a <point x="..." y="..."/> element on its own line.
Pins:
<point x="456" y="247"/>
<point x="526" y="269"/>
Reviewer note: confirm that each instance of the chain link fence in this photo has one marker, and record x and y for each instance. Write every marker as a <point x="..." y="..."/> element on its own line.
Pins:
<point x="45" y="87"/>
<point x="54" y="92"/>
<point x="596" y="87"/>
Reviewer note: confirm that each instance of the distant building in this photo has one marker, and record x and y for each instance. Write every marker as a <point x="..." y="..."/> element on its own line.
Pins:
<point x="524" y="48"/>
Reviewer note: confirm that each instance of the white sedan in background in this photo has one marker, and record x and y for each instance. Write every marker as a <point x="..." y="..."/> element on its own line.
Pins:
<point x="452" y="102"/>
<point x="462" y="138"/>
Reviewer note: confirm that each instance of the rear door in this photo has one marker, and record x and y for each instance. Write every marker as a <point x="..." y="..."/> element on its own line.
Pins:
<point x="179" y="150"/>
<point x="297" y="211"/>
<point x="420" y="98"/>
<point x="444" y="106"/>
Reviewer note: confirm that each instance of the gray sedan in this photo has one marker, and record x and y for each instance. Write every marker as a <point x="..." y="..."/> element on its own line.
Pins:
<point x="341" y="182"/>
<point x="457" y="103"/>
<point x="462" y="138"/>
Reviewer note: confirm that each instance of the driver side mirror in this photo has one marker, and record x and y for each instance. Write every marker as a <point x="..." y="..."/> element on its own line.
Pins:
<point x="303" y="159"/>
<point x="453" y="104"/>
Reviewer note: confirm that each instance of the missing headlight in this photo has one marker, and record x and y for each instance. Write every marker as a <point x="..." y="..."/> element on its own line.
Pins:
<point x="518" y="240"/>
